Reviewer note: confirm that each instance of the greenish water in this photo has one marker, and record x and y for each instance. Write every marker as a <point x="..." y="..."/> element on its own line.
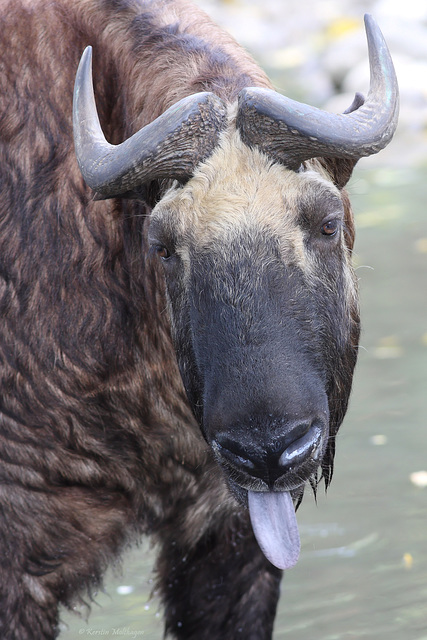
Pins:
<point x="363" y="566"/>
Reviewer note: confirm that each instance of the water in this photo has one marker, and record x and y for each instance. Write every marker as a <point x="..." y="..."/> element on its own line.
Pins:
<point x="363" y="570"/>
<point x="363" y="566"/>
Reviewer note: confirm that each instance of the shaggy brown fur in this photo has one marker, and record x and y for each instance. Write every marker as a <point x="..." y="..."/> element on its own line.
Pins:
<point x="98" y="443"/>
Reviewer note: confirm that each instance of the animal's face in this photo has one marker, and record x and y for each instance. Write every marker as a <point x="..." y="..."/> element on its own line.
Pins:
<point x="263" y="308"/>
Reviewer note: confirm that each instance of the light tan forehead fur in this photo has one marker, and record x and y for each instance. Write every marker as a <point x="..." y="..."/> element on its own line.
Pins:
<point x="238" y="189"/>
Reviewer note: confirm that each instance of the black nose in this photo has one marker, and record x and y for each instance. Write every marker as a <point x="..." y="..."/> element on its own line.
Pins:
<point x="270" y="462"/>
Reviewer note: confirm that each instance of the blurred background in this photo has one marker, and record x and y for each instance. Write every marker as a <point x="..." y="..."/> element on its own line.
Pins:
<point x="363" y="566"/>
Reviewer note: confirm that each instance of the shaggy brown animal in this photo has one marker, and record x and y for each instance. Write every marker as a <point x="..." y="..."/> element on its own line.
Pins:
<point x="100" y="440"/>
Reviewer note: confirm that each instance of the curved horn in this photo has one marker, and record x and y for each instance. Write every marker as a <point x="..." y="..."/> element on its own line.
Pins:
<point x="291" y="132"/>
<point x="169" y="147"/>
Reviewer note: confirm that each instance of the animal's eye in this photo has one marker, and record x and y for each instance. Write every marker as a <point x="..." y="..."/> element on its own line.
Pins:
<point x="163" y="252"/>
<point x="330" y="227"/>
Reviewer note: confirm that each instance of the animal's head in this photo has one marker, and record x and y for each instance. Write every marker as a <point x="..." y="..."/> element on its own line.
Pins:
<point x="255" y="239"/>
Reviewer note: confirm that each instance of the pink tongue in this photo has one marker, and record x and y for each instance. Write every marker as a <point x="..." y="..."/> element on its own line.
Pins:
<point x="275" y="527"/>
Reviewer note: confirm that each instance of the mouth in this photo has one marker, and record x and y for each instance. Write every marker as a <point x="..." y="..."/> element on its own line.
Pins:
<point x="270" y="492"/>
<point x="274" y="523"/>
<point x="275" y="526"/>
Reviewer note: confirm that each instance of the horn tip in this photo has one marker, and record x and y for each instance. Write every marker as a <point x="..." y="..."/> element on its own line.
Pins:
<point x="371" y="25"/>
<point x="87" y="51"/>
<point x="85" y="67"/>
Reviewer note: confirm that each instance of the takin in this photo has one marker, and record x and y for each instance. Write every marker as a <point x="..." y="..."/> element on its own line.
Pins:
<point x="179" y="310"/>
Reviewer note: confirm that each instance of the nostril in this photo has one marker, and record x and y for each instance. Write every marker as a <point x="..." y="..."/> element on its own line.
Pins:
<point x="234" y="453"/>
<point x="292" y="435"/>
<point x="307" y="445"/>
<point x="236" y="459"/>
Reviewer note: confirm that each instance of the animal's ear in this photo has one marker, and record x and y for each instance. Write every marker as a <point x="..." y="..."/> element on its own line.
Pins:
<point x="340" y="169"/>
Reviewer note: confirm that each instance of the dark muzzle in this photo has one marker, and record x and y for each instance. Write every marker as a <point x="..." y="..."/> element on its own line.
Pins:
<point x="282" y="464"/>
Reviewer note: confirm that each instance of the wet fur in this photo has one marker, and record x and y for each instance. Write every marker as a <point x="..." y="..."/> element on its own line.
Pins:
<point x="98" y="443"/>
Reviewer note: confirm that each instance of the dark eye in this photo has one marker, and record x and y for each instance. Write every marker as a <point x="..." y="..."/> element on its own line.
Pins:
<point x="330" y="227"/>
<point x="163" y="252"/>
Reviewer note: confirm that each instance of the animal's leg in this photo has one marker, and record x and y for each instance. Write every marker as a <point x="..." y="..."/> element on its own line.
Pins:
<point x="28" y="608"/>
<point x="54" y="546"/>
<point x="22" y="615"/>
<point x="222" y="588"/>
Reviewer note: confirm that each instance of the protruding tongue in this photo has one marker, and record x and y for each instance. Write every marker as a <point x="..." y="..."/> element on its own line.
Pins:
<point x="275" y="526"/>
